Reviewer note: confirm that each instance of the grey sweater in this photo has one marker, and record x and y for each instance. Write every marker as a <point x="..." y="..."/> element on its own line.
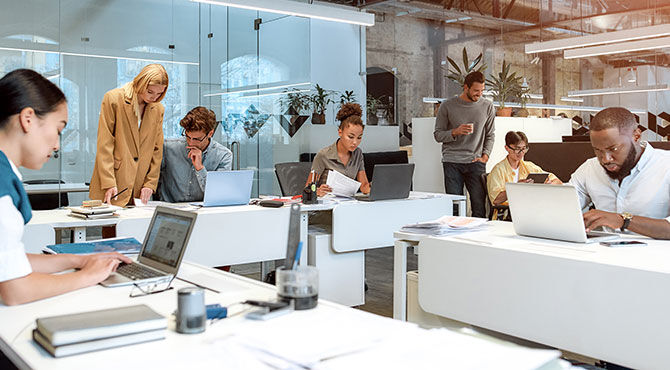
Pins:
<point x="463" y="149"/>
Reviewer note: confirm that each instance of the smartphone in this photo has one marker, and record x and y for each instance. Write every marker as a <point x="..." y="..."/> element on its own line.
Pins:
<point x="268" y="309"/>
<point x="538" y="178"/>
<point x="623" y="243"/>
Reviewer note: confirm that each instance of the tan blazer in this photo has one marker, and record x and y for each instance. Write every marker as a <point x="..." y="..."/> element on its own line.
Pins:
<point x="127" y="156"/>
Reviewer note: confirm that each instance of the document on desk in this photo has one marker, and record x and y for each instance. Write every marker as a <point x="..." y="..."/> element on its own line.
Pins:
<point x="342" y="185"/>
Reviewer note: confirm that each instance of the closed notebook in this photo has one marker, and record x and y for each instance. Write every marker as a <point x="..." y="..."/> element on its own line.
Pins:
<point x="121" y="245"/>
<point x="86" y="326"/>
<point x="96" y="345"/>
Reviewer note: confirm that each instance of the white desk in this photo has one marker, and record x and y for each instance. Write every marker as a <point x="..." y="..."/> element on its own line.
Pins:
<point x="401" y="345"/>
<point x="55" y="188"/>
<point x="606" y="303"/>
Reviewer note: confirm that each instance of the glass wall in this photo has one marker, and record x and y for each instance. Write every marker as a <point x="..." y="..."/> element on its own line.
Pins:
<point x="232" y="61"/>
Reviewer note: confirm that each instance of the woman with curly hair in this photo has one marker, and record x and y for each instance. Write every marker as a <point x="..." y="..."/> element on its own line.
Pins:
<point x="344" y="155"/>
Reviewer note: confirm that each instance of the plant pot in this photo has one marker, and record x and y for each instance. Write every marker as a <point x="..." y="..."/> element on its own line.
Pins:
<point x="523" y="112"/>
<point x="318" y="119"/>
<point x="372" y="119"/>
<point x="504" y="112"/>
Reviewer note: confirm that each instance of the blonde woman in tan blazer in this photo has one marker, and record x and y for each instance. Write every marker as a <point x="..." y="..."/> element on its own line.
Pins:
<point x="130" y="139"/>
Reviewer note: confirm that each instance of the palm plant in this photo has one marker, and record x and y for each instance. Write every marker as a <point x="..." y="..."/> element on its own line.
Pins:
<point x="458" y="74"/>
<point x="505" y="85"/>
<point x="348" y="96"/>
<point x="320" y="100"/>
<point x="294" y="101"/>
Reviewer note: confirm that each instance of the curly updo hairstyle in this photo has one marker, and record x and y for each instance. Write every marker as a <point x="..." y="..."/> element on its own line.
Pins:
<point x="350" y="114"/>
<point x="199" y="119"/>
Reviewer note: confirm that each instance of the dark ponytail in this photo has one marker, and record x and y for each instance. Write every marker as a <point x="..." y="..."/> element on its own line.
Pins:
<point x="25" y="88"/>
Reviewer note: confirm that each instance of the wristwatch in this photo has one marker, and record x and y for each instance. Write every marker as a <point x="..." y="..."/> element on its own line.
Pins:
<point x="626" y="220"/>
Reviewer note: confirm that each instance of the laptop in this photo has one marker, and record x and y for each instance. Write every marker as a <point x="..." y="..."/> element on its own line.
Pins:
<point x="162" y="250"/>
<point x="390" y="181"/>
<point x="550" y="212"/>
<point x="227" y="188"/>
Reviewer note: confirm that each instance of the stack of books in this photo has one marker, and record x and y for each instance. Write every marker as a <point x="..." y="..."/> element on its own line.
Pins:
<point x="72" y="334"/>
<point x="94" y="212"/>
<point x="446" y="225"/>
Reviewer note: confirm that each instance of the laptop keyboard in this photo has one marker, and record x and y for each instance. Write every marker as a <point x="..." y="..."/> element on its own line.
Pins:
<point x="136" y="271"/>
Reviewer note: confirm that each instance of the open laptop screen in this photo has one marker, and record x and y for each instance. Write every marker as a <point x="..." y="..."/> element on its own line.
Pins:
<point x="167" y="238"/>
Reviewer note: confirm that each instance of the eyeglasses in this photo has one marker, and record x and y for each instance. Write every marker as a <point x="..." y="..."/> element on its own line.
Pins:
<point x="523" y="149"/>
<point x="200" y="140"/>
<point x="150" y="288"/>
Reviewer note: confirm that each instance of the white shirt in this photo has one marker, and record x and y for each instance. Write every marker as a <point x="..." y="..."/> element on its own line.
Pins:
<point x="13" y="259"/>
<point x="645" y="192"/>
<point x="516" y="174"/>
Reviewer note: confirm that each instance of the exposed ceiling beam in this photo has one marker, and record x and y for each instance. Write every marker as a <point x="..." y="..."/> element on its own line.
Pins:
<point x="508" y="9"/>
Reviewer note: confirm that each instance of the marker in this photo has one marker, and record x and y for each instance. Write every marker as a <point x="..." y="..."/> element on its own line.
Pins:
<point x="297" y="256"/>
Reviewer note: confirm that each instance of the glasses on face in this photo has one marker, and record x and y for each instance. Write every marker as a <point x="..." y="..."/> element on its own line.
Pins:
<point x="200" y="140"/>
<point x="519" y="150"/>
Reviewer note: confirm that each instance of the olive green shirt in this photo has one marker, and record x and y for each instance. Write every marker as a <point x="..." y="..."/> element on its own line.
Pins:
<point x="327" y="159"/>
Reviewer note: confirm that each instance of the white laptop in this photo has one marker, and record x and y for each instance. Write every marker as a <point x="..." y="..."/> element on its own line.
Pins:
<point x="227" y="188"/>
<point x="550" y="212"/>
<point x="162" y="250"/>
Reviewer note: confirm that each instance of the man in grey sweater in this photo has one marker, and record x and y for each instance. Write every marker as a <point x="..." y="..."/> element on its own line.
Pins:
<point x="464" y="126"/>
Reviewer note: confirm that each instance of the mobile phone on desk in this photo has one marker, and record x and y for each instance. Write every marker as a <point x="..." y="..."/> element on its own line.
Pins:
<point x="269" y="310"/>
<point x="623" y="243"/>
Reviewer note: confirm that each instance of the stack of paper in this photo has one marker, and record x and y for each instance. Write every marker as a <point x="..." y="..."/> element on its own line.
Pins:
<point x="90" y="213"/>
<point x="341" y="185"/>
<point x="446" y="225"/>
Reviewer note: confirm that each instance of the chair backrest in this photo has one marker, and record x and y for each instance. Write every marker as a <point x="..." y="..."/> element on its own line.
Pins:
<point x="292" y="176"/>
<point x="41" y="202"/>
<point x="371" y="159"/>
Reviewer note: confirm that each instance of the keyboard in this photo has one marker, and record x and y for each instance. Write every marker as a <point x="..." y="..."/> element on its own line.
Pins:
<point x="135" y="271"/>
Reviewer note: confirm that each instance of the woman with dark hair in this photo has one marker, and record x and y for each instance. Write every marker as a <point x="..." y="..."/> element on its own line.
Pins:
<point x="33" y="113"/>
<point x="513" y="168"/>
<point x="344" y="155"/>
<point x="130" y="139"/>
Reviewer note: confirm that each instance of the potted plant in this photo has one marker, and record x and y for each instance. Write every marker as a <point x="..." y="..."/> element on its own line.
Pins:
<point x="371" y="108"/>
<point x="523" y="95"/>
<point x="347" y="96"/>
<point x="458" y="74"/>
<point x="504" y="85"/>
<point x="320" y="100"/>
<point x="294" y="102"/>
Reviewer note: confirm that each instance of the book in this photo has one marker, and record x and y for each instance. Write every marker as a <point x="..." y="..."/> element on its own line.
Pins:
<point x="121" y="245"/>
<point x="105" y="208"/>
<point x="92" y="325"/>
<point x="93" y="216"/>
<point x="96" y="345"/>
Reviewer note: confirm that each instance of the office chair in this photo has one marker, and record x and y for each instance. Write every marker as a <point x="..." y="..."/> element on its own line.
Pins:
<point x="292" y="176"/>
<point x="500" y="212"/>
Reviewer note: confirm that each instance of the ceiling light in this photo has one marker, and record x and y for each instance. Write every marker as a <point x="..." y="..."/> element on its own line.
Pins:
<point x="619" y="90"/>
<point x="243" y="90"/>
<point x="454" y="20"/>
<point x="100" y="56"/>
<point x="580" y="108"/>
<point x="294" y="8"/>
<point x="622" y="47"/>
<point x="572" y="100"/>
<point x="599" y="38"/>
<point x="433" y="100"/>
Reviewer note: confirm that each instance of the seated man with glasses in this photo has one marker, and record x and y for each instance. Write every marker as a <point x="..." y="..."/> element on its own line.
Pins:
<point x="186" y="160"/>
<point x="628" y="181"/>
<point x="513" y="168"/>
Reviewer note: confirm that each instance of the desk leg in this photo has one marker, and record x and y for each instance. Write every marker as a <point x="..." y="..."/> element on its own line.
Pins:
<point x="304" y="231"/>
<point x="400" y="279"/>
<point x="79" y="235"/>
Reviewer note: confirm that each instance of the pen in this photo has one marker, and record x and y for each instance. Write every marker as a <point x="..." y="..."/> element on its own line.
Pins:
<point x="297" y="256"/>
<point x="117" y="194"/>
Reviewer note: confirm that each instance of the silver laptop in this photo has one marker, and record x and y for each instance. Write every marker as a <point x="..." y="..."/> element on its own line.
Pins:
<point x="227" y="188"/>
<point x="550" y="212"/>
<point x="390" y="181"/>
<point x="162" y="250"/>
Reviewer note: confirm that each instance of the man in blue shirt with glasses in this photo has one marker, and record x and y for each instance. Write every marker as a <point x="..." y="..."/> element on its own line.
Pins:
<point x="186" y="160"/>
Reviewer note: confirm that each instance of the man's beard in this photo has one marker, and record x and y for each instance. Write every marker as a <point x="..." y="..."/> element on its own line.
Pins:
<point x="472" y="98"/>
<point x="626" y="166"/>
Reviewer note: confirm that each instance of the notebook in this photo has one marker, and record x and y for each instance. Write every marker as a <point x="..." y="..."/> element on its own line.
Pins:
<point x="122" y="245"/>
<point x="162" y="250"/>
<point x="390" y="181"/>
<point x="550" y="212"/>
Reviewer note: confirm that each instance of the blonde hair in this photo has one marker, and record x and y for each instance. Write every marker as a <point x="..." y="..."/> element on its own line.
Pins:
<point x="151" y="74"/>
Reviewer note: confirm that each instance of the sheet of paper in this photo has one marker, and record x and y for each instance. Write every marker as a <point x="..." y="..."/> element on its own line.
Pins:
<point x="342" y="185"/>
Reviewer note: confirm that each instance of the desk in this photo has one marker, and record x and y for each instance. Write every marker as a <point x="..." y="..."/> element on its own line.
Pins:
<point x="55" y="188"/>
<point x="606" y="303"/>
<point x="401" y="345"/>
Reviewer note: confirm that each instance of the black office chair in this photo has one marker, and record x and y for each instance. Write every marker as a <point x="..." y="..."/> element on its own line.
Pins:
<point x="40" y="202"/>
<point x="292" y="176"/>
<point x="500" y="212"/>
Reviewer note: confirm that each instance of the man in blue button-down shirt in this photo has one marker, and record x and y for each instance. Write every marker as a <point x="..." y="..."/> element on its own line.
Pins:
<point x="186" y="160"/>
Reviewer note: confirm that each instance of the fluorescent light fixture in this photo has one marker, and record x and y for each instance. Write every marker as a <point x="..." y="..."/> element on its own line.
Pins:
<point x="599" y="38"/>
<point x="53" y="77"/>
<point x="433" y="100"/>
<point x="454" y="20"/>
<point x="100" y="56"/>
<point x="622" y="47"/>
<point x="619" y="90"/>
<point x="572" y="100"/>
<point x="535" y="96"/>
<point x="565" y="107"/>
<point x="269" y="94"/>
<point x="294" y="8"/>
<point x="242" y="90"/>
